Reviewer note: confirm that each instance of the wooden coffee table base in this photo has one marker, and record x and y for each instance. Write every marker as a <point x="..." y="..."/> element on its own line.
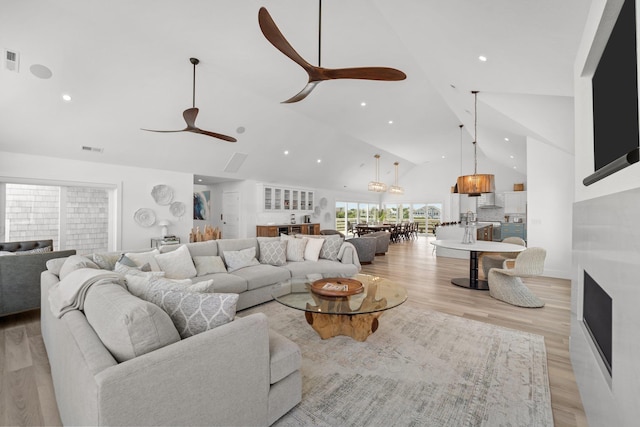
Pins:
<point x="356" y="326"/>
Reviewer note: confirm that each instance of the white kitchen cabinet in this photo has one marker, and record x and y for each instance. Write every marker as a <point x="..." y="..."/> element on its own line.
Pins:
<point x="288" y="199"/>
<point x="515" y="202"/>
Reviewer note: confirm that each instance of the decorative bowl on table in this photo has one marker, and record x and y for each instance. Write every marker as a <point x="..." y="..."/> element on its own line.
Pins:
<point x="336" y="287"/>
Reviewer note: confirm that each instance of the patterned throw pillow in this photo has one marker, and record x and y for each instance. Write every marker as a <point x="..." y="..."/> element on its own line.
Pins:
<point x="331" y="247"/>
<point x="177" y="264"/>
<point x="295" y="249"/>
<point x="209" y="265"/>
<point x="240" y="259"/>
<point x="35" y="251"/>
<point x="273" y="252"/>
<point x="193" y="313"/>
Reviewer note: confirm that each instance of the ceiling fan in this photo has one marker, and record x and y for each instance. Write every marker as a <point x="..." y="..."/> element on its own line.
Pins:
<point x="190" y="115"/>
<point x="318" y="74"/>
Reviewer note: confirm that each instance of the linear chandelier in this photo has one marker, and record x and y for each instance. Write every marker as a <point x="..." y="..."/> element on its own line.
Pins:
<point x="377" y="186"/>
<point x="396" y="189"/>
<point x="476" y="184"/>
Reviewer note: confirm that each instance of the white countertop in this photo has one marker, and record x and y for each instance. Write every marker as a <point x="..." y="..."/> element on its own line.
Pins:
<point x="479" y="246"/>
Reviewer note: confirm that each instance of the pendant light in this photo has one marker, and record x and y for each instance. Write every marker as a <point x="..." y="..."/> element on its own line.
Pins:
<point x="476" y="184"/>
<point x="396" y="189"/>
<point x="377" y="186"/>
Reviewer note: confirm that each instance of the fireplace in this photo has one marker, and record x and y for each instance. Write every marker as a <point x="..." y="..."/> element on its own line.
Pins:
<point x="597" y="318"/>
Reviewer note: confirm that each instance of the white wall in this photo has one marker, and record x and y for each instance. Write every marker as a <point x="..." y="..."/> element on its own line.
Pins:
<point x="549" y="205"/>
<point x="605" y="244"/>
<point x="133" y="191"/>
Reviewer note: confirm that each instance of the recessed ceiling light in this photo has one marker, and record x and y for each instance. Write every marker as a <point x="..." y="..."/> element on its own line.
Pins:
<point x="319" y="160"/>
<point x="443" y="157"/>
<point x="390" y="122"/>
<point x="511" y="156"/>
<point x="506" y="139"/>
<point x="515" y="167"/>
<point x="363" y="104"/>
<point x="199" y="179"/>
<point x="286" y="152"/>
<point x="66" y="97"/>
<point x="482" y="58"/>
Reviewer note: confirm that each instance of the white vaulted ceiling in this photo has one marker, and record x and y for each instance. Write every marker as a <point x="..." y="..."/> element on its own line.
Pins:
<point x="126" y="66"/>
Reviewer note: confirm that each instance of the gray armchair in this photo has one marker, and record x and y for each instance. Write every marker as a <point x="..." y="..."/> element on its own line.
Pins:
<point x="330" y="232"/>
<point x="365" y="247"/>
<point x="383" y="238"/>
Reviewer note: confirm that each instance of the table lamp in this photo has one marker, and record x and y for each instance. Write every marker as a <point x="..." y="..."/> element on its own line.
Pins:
<point x="164" y="224"/>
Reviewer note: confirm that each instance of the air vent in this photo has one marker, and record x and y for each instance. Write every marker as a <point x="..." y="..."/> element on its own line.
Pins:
<point x="235" y="162"/>
<point x="11" y="60"/>
<point x="94" y="149"/>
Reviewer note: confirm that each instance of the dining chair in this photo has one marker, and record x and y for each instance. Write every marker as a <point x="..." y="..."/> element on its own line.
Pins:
<point x="505" y="284"/>
<point x="496" y="260"/>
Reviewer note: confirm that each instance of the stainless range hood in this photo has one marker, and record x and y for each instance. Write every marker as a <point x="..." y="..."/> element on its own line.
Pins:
<point x="487" y="201"/>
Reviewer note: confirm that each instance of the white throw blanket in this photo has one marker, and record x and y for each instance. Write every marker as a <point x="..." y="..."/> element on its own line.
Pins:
<point x="69" y="293"/>
<point x="354" y="254"/>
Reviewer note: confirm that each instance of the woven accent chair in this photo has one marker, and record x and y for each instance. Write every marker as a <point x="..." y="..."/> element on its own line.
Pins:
<point x="506" y="284"/>
<point x="496" y="260"/>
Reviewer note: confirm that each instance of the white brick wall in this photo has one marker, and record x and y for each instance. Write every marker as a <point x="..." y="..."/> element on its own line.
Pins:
<point x="33" y="213"/>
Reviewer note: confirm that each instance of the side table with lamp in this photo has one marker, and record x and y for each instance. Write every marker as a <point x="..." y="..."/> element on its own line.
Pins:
<point x="157" y="242"/>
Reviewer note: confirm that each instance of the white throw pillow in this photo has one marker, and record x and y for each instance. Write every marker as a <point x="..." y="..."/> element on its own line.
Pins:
<point x="313" y="248"/>
<point x="295" y="249"/>
<point x="141" y="258"/>
<point x="209" y="265"/>
<point x="240" y="259"/>
<point x="177" y="264"/>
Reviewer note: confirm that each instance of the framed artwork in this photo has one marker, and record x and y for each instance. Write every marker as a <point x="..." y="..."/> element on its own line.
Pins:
<point x="201" y="205"/>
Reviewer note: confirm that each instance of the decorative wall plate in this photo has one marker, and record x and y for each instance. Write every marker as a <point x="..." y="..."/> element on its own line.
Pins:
<point x="327" y="216"/>
<point x="177" y="209"/>
<point x="317" y="210"/>
<point x="145" y="217"/>
<point x="162" y="194"/>
<point x="323" y="203"/>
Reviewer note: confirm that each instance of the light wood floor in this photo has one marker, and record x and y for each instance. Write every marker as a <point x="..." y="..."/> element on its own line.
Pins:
<point x="26" y="392"/>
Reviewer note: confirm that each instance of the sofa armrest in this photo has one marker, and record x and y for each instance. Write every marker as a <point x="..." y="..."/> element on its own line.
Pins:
<point x="348" y="255"/>
<point x="219" y="377"/>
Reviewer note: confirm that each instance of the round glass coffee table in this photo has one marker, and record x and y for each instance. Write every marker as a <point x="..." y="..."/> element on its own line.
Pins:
<point x="354" y="315"/>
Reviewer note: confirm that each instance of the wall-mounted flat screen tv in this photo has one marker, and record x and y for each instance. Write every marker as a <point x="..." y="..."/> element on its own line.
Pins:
<point x="615" y="99"/>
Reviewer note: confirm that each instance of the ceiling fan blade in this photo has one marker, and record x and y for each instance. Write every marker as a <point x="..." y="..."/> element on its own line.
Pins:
<point x="190" y="115"/>
<point x="163" y="131"/>
<point x="275" y="37"/>
<point x="364" y="73"/>
<point x="303" y="93"/>
<point x="213" y="134"/>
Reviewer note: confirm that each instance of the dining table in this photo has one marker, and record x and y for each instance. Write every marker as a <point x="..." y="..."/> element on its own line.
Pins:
<point x="474" y="249"/>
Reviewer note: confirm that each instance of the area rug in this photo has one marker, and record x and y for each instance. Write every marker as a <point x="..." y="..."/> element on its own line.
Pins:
<point x="420" y="368"/>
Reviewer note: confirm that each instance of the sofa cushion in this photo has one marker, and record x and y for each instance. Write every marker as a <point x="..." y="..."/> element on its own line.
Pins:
<point x="177" y="264"/>
<point x="36" y="250"/>
<point x="54" y="265"/>
<point x="209" y="265"/>
<point x="127" y="326"/>
<point x="236" y="245"/>
<point x="141" y="284"/>
<point x="262" y="275"/>
<point x="75" y="262"/>
<point x="322" y="266"/>
<point x="295" y="248"/>
<point x="240" y="259"/>
<point x="284" y="357"/>
<point x="224" y="282"/>
<point x="106" y="260"/>
<point x="193" y="313"/>
<point x="312" y="249"/>
<point x="206" y="248"/>
<point x="273" y="252"/>
<point x="141" y="258"/>
<point x="331" y="247"/>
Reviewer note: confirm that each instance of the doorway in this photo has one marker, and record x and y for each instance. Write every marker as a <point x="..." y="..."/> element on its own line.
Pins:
<point x="230" y="214"/>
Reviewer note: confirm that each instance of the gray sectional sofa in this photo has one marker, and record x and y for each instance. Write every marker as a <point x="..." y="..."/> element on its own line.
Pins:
<point x="239" y="373"/>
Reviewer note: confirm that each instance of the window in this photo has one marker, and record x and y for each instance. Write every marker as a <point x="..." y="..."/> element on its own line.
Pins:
<point x="73" y="217"/>
<point x="355" y="213"/>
